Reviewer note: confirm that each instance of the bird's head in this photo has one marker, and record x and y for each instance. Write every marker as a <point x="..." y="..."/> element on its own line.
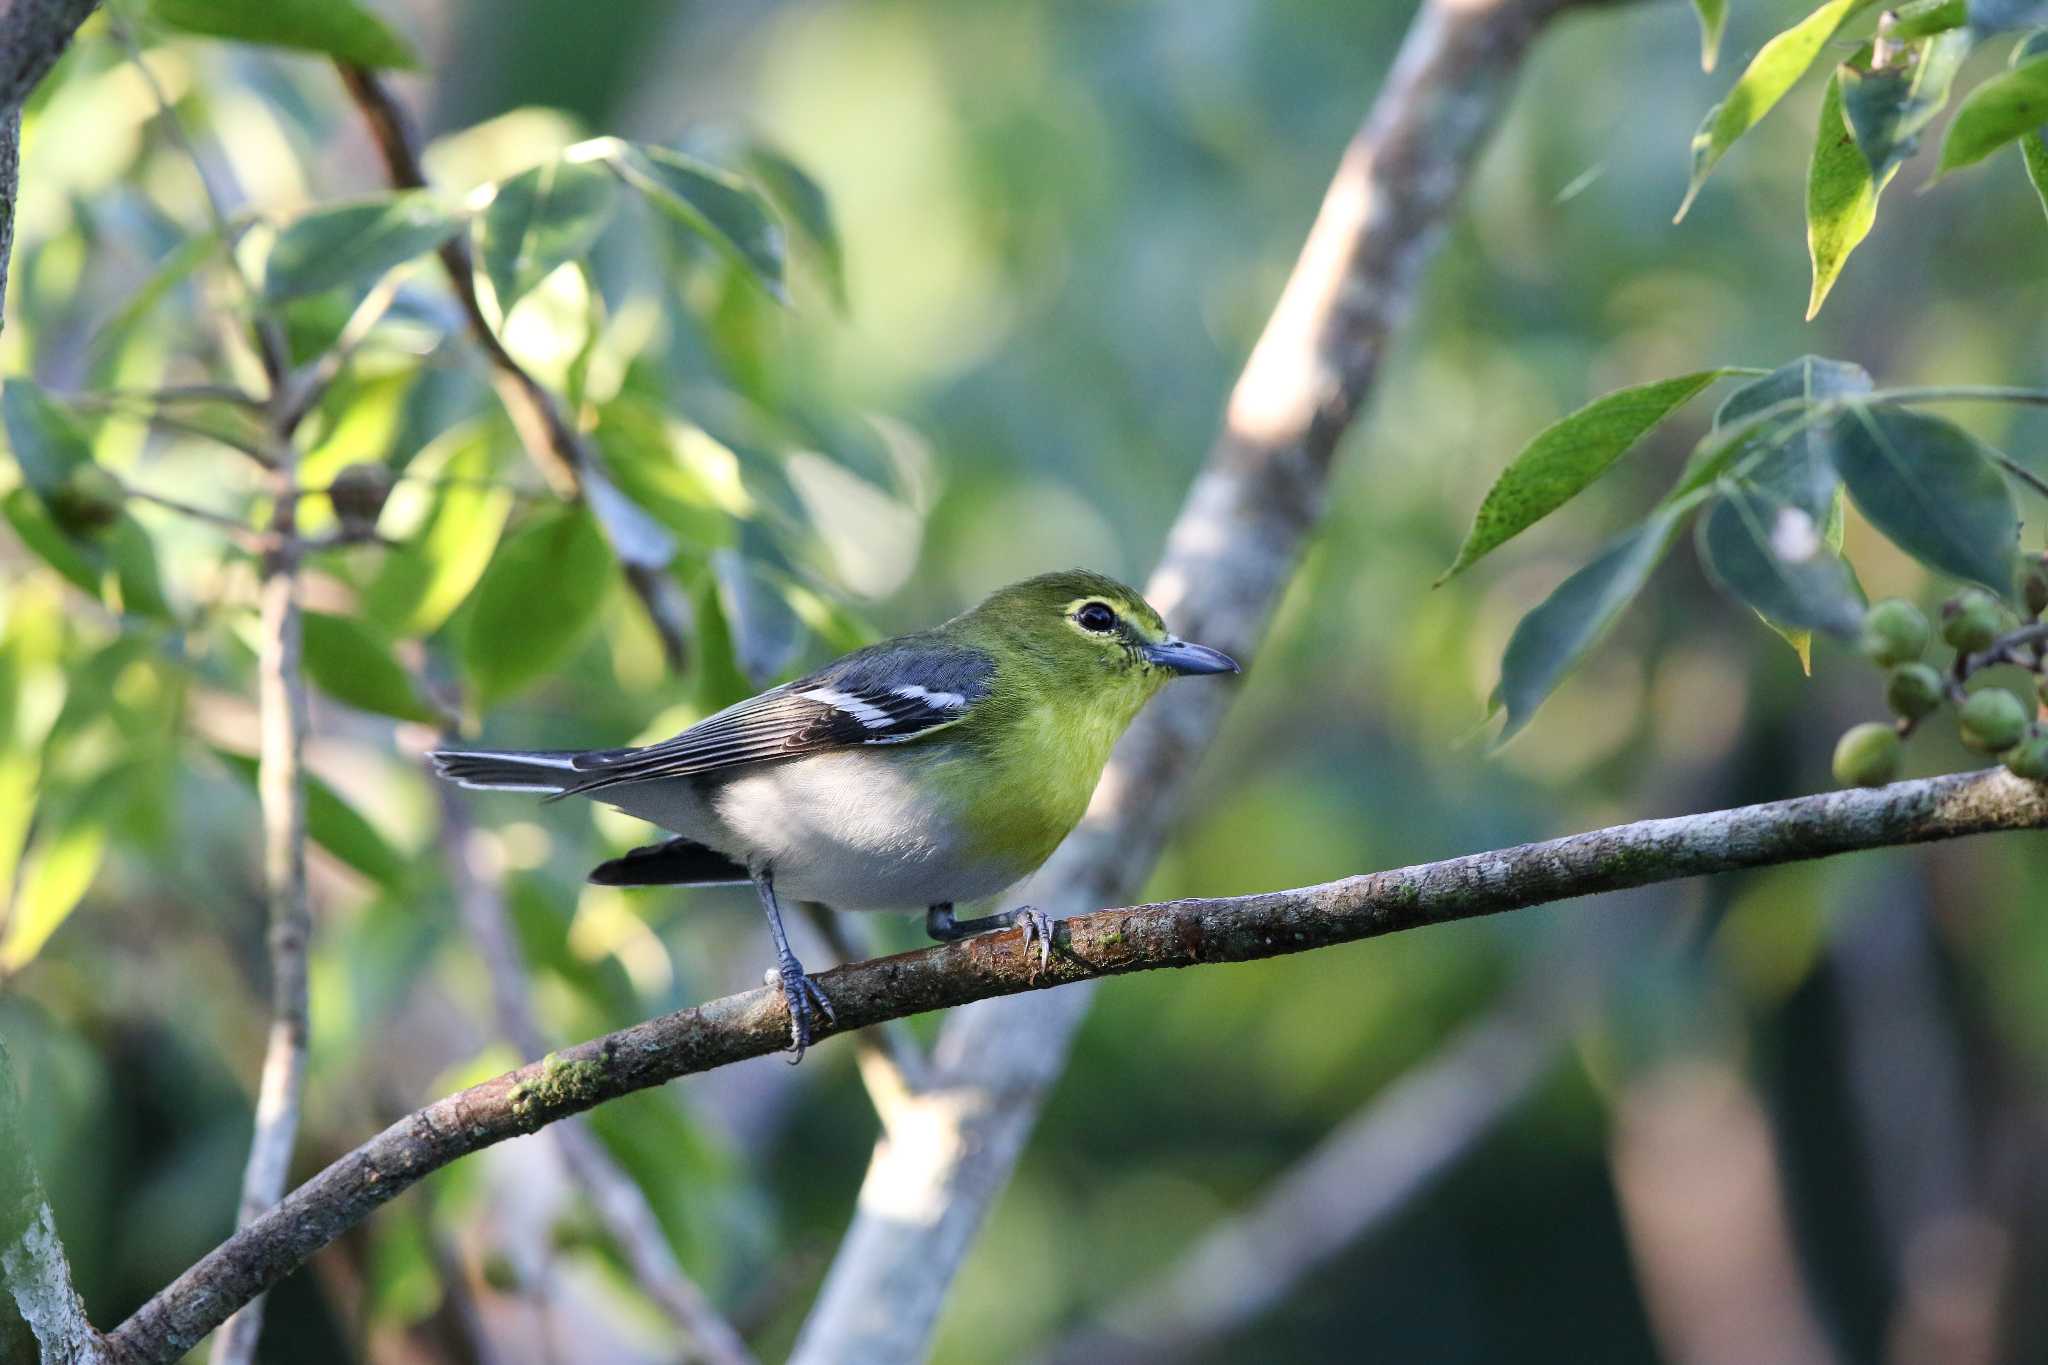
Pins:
<point x="1094" y="629"/>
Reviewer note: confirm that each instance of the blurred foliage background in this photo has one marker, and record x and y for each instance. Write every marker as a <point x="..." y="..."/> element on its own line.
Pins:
<point x="1062" y="226"/>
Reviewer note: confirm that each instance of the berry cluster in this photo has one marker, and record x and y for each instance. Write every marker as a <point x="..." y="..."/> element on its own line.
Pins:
<point x="1984" y="633"/>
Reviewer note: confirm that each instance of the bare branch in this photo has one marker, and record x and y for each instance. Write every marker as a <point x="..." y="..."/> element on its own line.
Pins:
<point x="281" y="788"/>
<point x="1365" y="1171"/>
<point x="618" y="1203"/>
<point x="643" y="547"/>
<point x="1228" y="557"/>
<point x="34" y="1276"/>
<point x="1106" y="943"/>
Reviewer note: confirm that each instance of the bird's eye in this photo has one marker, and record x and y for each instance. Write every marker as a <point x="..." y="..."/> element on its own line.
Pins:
<point x="1096" y="616"/>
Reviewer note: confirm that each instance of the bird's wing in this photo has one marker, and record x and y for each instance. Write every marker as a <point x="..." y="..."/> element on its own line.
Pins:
<point x="885" y="694"/>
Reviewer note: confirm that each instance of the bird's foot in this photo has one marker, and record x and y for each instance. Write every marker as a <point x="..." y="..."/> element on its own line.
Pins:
<point x="1037" y="927"/>
<point x="1035" y="924"/>
<point x="802" y="996"/>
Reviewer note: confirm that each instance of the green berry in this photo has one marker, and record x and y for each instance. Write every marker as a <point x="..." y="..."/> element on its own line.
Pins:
<point x="1867" y="755"/>
<point x="88" y="502"/>
<point x="1894" y="632"/>
<point x="2034" y="588"/>
<point x="1913" y="690"/>
<point x="1970" y="620"/>
<point x="1993" y="720"/>
<point x="2029" y="758"/>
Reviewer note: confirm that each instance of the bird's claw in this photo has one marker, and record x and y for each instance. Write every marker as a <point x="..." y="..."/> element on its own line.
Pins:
<point x="1037" y="927"/>
<point x="802" y="995"/>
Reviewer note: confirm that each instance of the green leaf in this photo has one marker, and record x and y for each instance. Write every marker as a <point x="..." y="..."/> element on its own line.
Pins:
<point x="1992" y="15"/>
<point x="710" y="205"/>
<point x="1568" y="455"/>
<point x="2008" y="106"/>
<point x="1774" y="556"/>
<point x="79" y="561"/>
<point x="48" y="441"/>
<point x="1841" y="197"/>
<point x="537" y="601"/>
<point x="1774" y="70"/>
<point x="1929" y="486"/>
<point x="1552" y="639"/>
<point x="177" y="263"/>
<point x="340" y="29"/>
<point x="1797" y="471"/>
<point x="334" y="824"/>
<point x="133" y="557"/>
<point x="802" y="203"/>
<point x="354" y="242"/>
<point x="421" y="583"/>
<point x="1888" y="110"/>
<point x="541" y="219"/>
<point x="1924" y="18"/>
<point x="352" y="663"/>
<point x="1713" y="19"/>
<point x="2034" y="145"/>
<point x="58" y="871"/>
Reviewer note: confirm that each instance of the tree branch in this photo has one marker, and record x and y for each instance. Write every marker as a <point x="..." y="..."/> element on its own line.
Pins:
<point x="619" y="1204"/>
<point x="33" y="1272"/>
<point x="281" y="792"/>
<point x="1228" y="557"/>
<point x="643" y="547"/>
<point x="33" y="35"/>
<point x="1106" y="943"/>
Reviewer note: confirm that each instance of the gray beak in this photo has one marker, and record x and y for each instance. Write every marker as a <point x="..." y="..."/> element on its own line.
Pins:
<point x="1184" y="657"/>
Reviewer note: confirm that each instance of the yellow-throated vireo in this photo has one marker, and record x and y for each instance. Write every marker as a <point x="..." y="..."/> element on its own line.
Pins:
<point x="924" y="771"/>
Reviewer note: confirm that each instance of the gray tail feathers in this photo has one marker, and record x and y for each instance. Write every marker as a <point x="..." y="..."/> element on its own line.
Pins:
<point x="679" y="862"/>
<point x="550" y="771"/>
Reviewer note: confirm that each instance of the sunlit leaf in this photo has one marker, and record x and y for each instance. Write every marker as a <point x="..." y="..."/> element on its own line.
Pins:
<point x="1777" y="66"/>
<point x="1887" y="110"/>
<point x="1570" y="454"/>
<point x="352" y="663"/>
<point x="341" y="29"/>
<point x="1552" y="639"/>
<point x="710" y="205"/>
<point x="421" y="583"/>
<point x="802" y="203"/>
<point x="1929" y="486"/>
<point x="536" y="602"/>
<point x="1924" y="18"/>
<point x="81" y="562"/>
<point x="56" y="875"/>
<point x="1841" y="197"/>
<point x="133" y="558"/>
<point x="1713" y="19"/>
<point x="2034" y="145"/>
<point x="354" y="242"/>
<point x="640" y="450"/>
<point x="539" y="220"/>
<point x="2008" y="106"/>
<point x="1774" y="556"/>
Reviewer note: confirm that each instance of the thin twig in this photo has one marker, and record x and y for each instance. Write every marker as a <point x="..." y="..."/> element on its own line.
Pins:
<point x="281" y="789"/>
<point x="189" y="393"/>
<point x="248" y="536"/>
<point x="264" y="455"/>
<point x="2021" y="472"/>
<point x="618" y="1202"/>
<point x="565" y="457"/>
<point x="1087" y="947"/>
<point x="305" y="390"/>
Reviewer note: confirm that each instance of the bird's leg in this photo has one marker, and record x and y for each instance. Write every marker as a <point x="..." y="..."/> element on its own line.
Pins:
<point x="799" y="992"/>
<point x="1036" y="924"/>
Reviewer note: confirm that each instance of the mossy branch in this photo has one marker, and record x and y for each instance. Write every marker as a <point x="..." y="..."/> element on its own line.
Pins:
<point x="1112" y="942"/>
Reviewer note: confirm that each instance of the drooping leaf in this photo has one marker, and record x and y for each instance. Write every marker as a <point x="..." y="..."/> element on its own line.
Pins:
<point x="341" y="29"/>
<point x="1570" y="454"/>
<point x="536" y="602"/>
<point x="57" y="873"/>
<point x="335" y="825"/>
<point x="1887" y="110"/>
<point x="1841" y="197"/>
<point x="133" y="558"/>
<point x="81" y="562"/>
<point x="710" y="205"/>
<point x="1929" y="486"/>
<point x="1774" y="556"/>
<point x="1777" y="66"/>
<point x="354" y="242"/>
<point x="802" y="203"/>
<point x="1992" y="15"/>
<point x="354" y="664"/>
<point x="1552" y="639"/>
<point x="1795" y="470"/>
<point x="2034" y="145"/>
<point x="540" y="219"/>
<point x="47" y="439"/>
<point x="2008" y="106"/>
<point x="1713" y="19"/>
<point x="421" y="583"/>
<point x="1924" y="18"/>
